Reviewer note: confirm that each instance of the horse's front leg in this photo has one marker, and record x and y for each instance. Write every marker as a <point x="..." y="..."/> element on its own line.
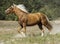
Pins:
<point x="23" y="31"/>
<point x="19" y="28"/>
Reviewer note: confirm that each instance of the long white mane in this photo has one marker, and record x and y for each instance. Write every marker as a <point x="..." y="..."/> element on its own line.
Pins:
<point x="22" y="7"/>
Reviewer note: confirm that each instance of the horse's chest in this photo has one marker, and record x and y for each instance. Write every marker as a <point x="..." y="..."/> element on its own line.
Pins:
<point x="22" y="20"/>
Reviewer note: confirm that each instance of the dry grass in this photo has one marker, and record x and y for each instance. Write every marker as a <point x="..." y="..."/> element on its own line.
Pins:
<point x="8" y="31"/>
<point x="8" y="38"/>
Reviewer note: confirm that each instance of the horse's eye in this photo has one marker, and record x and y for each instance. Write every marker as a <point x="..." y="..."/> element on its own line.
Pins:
<point x="11" y="8"/>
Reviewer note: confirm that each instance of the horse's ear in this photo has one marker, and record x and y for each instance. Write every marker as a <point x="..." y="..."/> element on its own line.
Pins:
<point x="14" y="4"/>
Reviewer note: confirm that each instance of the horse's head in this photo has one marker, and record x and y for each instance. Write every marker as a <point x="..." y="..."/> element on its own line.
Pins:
<point x="10" y="9"/>
<point x="13" y="8"/>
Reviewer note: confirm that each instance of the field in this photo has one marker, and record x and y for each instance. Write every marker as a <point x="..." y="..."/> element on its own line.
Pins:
<point x="8" y="33"/>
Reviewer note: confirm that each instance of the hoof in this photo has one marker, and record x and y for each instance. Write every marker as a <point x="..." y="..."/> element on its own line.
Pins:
<point x="19" y="36"/>
<point x="23" y="34"/>
<point x="42" y="34"/>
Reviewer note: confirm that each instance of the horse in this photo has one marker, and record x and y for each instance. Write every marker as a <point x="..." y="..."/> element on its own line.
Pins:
<point x="29" y="19"/>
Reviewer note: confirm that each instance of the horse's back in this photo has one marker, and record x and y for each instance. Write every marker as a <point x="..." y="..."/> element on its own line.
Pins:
<point x="33" y="18"/>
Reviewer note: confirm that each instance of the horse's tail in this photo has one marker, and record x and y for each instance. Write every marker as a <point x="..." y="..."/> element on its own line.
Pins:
<point x="45" y="22"/>
<point x="49" y="26"/>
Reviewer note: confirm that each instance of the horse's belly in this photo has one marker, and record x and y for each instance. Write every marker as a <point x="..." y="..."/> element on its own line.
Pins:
<point x="32" y="22"/>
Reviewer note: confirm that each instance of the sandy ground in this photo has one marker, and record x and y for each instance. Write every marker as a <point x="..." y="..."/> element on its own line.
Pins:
<point x="12" y="25"/>
<point x="56" y="26"/>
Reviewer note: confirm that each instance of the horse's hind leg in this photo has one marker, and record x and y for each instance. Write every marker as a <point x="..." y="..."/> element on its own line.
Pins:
<point x="41" y="28"/>
<point x="49" y="26"/>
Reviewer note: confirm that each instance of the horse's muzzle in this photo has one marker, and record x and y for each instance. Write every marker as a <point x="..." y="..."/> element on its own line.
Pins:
<point x="6" y="12"/>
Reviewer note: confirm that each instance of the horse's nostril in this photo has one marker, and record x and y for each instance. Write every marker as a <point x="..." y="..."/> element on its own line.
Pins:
<point x="6" y="11"/>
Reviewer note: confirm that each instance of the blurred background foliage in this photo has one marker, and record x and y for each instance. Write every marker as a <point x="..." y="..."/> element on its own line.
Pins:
<point x="49" y="7"/>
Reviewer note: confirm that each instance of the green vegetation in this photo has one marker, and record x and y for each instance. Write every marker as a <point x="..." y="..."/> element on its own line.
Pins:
<point x="10" y="39"/>
<point x="49" y="7"/>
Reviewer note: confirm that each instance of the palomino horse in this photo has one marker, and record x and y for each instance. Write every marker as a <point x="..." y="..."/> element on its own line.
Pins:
<point x="29" y="19"/>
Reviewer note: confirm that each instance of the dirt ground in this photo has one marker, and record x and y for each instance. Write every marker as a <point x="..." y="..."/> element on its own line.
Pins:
<point x="8" y="32"/>
<point x="13" y="25"/>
